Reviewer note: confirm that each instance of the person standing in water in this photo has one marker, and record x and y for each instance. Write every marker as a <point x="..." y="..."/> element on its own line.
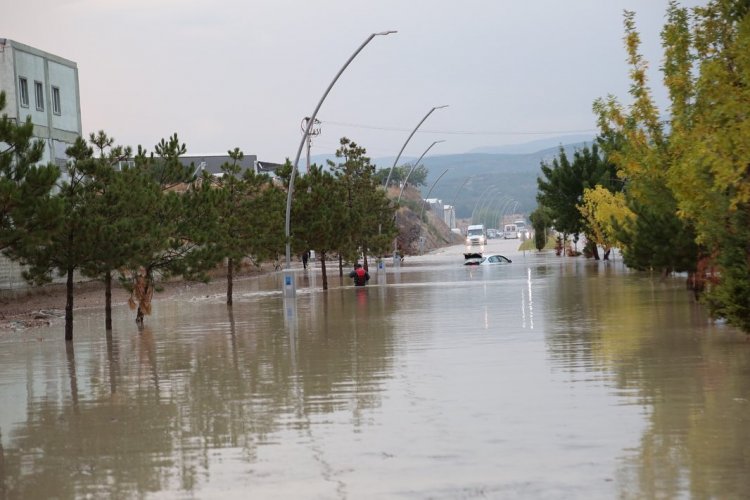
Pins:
<point x="361" y="277"/>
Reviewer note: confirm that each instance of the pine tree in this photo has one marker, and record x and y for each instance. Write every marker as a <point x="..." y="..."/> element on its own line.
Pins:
<point x="69" y="247"/>
<point x="250" y="217"/>
<point x="176" y="241"/>
<point x="369" y="222"/>
<point x="28" y="211"/>
<point x="319" y="212"/>
<point x="119" y="214"/>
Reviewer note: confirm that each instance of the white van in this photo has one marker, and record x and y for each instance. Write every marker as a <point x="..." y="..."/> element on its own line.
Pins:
<point x="510" y="231"/>
<point x="476" y="235"/>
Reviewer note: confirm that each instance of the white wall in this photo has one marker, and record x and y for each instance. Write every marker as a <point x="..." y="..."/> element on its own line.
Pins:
<point x="64" y="78"/>
<point x="57" y="131"/>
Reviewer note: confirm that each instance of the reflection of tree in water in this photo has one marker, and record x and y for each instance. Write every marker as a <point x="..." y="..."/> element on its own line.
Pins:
<point x="153" y="407"/>
<point x="72" y="447"/>
<point x="697" y="390"/>
<point x="651" y="336"/>
<point x="348" y="346"/>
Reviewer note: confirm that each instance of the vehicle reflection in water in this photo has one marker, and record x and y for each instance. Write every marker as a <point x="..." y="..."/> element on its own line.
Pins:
<point x="545" y="377"/>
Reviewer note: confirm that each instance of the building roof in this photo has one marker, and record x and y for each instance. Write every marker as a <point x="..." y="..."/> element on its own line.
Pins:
<point x="267" y="166"/>
<point x="213" y="163"/>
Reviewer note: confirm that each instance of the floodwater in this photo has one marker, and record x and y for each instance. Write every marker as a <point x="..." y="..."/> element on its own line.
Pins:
<point x="544" y="378"/>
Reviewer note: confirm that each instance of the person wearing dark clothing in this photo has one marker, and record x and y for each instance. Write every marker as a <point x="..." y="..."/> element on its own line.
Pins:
<point x="305" y="258"/>
<point x="361" y="277"/>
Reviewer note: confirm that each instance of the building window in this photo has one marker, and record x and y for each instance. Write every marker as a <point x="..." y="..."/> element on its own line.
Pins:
<point x="39" y="94"/>
<point x="23" y="91"/>
<point x="56" y="108"/>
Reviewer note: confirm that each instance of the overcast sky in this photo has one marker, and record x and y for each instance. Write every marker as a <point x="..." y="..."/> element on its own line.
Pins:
<point x="244" y="73"/>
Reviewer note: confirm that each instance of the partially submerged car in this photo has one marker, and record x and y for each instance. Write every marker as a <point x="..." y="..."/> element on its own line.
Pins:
<point x="495" y="259"/>
<point x="473" y="259"/>
<point x="476" y="259"/>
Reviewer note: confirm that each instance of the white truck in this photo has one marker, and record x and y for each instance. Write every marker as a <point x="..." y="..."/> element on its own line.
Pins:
<point x="476" y="235"/>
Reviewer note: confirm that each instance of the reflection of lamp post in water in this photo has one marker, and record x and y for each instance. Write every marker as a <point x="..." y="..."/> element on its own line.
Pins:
<point x="289" y="290"/>
<point x="312" y="132"/>
<point x="421" y="214"/>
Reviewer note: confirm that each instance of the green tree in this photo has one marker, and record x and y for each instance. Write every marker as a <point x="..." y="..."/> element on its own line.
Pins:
<point x="177" y="240"/>
<point x="542" y="222"/>
<point x="564" y="183"/>
<point x="707" y="73"/>
<point x="28" y="211"/>
<point x="119" y="214"/>
<point x="655" y="237"/>
<point x="319" y="210"/>
<point x="72" y="245"/>
<point x="369" y="224"/>
<point x="418" y="176"/>
<point x="251" y="217"/>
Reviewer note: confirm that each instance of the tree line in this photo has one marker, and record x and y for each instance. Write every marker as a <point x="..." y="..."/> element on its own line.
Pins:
<point x="140" y="217"/>
<point x="672" y="193"/>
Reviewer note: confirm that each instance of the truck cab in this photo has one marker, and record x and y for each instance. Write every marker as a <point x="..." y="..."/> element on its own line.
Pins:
<point x="476" y="235"/>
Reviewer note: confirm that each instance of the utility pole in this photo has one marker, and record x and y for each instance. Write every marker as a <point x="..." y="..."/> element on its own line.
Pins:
<point x="313" y="131"/>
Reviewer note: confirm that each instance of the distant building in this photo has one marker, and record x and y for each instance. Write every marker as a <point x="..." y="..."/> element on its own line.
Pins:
<point x="449" y="216"/>
<point x="213" y="163"/>
<point x="45" y="87"/>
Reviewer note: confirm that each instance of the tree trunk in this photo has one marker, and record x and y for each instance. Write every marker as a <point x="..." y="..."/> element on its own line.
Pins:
<point x="108" y="301"/>
<point x="341" y="266"/>
<point x="69" y="306"/>
<point x="230" y="280"/>
<point x="364" y="257"/>
<point x="323" y="269"/>
<point x="594" y="249"/>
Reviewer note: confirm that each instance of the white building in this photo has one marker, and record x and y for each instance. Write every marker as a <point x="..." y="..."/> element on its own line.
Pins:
<point x="449" y="216"/>
<point x="446" y="212"/>
<point x="45" y="87"/>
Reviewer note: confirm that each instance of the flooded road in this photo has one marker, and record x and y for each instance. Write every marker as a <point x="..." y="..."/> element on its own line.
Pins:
<point x="543" y="378"/>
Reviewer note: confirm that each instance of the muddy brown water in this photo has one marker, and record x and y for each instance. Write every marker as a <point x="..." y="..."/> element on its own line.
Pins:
<point x="544" y="378"/>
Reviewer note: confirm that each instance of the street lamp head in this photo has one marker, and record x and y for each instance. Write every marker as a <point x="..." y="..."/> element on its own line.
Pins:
<point x="383" y="33"/>
<point x="441" y="107"/>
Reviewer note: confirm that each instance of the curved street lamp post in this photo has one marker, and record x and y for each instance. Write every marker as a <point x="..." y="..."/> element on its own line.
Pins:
<point x="413" y="167"/>
<point x="481" y="199"/>
<point x="289" y="290"/>
<point x="421" y="214"/>
<point x="390" y="172"/>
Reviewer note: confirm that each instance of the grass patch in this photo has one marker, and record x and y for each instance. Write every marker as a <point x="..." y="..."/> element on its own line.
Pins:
<point x="528" y="245"/>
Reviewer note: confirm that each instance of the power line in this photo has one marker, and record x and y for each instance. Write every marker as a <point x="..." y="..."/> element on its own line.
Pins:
<point x="459" y="132"/>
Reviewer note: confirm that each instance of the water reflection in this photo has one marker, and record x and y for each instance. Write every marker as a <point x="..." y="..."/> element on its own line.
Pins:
<point x="687" y="377"/>
<point x="554" y="377"/>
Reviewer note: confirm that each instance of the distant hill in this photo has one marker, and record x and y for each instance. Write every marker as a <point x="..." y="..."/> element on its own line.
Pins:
<point x="497" y="181"/>
<point x="534" y="146"/>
